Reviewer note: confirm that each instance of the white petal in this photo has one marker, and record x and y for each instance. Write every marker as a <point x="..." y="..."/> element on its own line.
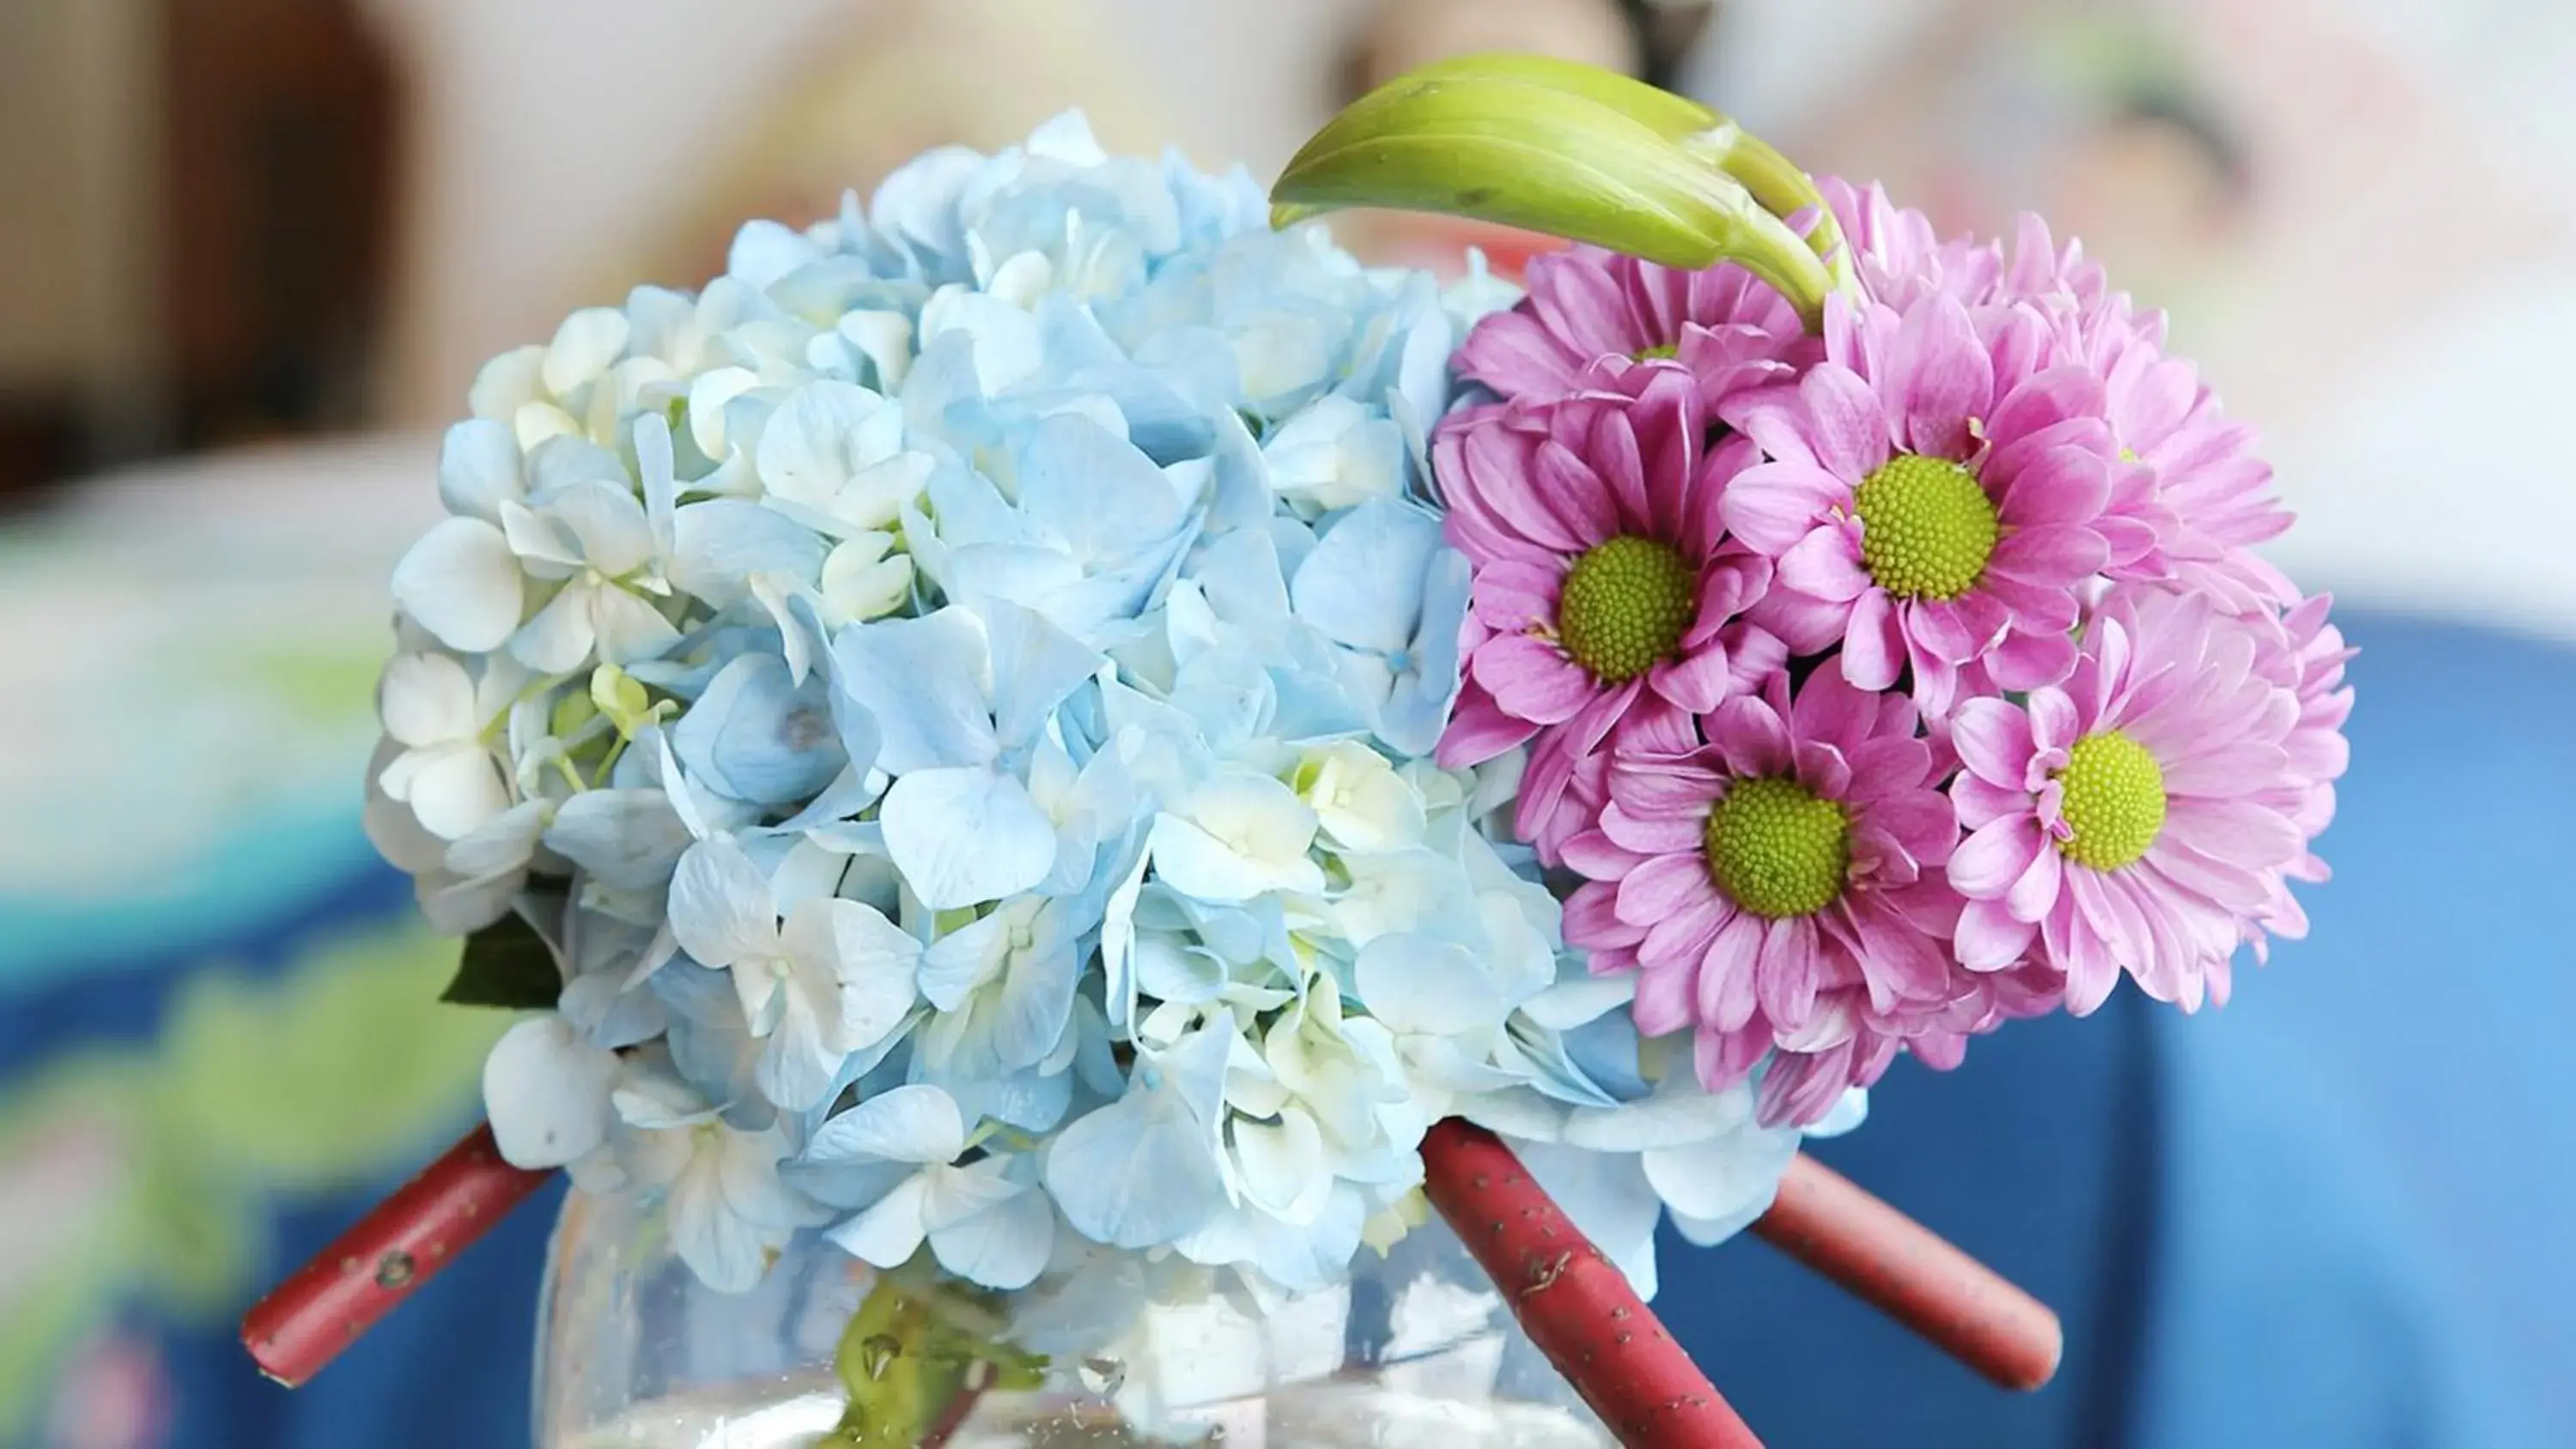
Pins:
<point x="1676" y="1115"/>
<point x="584" y="345"/>
<point x="627" y="627"/>
<point x="727" y="1251"/>
<point x="871" y="963"/>
<point x="966" y="835"/>
<point x="546" y="1091"/>
<point x="708" y="394"/>
<point x="1284" y="1170"/>
<point x="913" y="1123"/>
<point x="558" y="640"/>
<point x="797" y="1067"/>
<point x="507" y="383"/>
<point x="461" y="582"/>
<point x="478" y="466"/>
<point x="721" y="909"/>
<point x="1417" y="983"/>
<point x="455" y="789"/>
<point x="427" y="699"/>
<point x="607" y="522"/>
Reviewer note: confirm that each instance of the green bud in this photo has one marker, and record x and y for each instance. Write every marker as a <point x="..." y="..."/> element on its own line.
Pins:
<point x="1572" y="151"/>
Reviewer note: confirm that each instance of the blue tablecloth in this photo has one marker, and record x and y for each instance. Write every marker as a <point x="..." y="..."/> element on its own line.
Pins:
<point x="2333" y="1214"/>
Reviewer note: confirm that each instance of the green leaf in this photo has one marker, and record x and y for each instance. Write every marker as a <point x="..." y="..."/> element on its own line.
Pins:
<point x="506" y="965"/>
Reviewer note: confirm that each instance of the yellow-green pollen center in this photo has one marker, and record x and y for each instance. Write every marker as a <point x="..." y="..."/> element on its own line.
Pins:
<point x="1658" y="352"/>
<point x="1926" y="527"/>
<point x="2114" y="800"/>
<point x="1625" y="605"/>
<point x="1776" y="849"/>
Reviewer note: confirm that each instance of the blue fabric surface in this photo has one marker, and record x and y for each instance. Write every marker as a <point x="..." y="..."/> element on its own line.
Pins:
<point x="2331" y="1214"/>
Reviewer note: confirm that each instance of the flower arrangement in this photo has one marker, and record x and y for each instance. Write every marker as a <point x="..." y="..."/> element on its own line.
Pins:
<point x="1042" y="721"/>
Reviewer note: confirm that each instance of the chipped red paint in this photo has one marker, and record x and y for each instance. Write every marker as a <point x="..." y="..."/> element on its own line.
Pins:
<point x="370" y="1269"/>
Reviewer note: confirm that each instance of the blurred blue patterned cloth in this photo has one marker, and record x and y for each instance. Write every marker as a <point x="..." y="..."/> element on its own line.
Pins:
<point x="2332" y="1214"/>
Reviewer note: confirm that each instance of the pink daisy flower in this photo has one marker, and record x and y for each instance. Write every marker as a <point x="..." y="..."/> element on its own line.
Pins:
<point x="1789" y="866"/>
<point x="2204" y="499"/>
<point x="1897" y="256"/>
<point x="2307" y="656"/>
<point x="1602" y="577"/>
<point x="2134" y="818"/>
<point x="1593" y="318"/>
<point x="1933" y="503"/>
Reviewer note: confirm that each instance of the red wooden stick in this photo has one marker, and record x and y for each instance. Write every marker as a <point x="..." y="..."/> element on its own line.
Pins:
<point x="1913" y="1275"/>
<point x="1574" y="1303"/>
<point x="374" y="1266"/>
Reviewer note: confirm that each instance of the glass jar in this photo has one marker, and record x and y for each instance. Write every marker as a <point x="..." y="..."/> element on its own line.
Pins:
<point x="1417" y="1349"/>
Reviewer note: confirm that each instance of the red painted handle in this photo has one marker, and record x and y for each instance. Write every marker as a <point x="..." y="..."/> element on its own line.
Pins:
<point x="1574" y="1303"/>
<point x="1913" y="1275"/>
<point x="374" y="1266"/>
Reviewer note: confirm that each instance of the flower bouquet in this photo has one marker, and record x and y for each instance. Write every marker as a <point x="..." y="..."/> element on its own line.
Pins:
<point x="1063" y="769"/>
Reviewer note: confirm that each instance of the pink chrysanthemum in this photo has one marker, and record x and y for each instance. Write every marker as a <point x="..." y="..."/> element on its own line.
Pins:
<point x="1593" y="318"/>
<point x="2208" y="498"/>
<point x="2140" y="818"/>
<point x="1897" y="256"/>
<point x="1783" y="878"/>
<point x="1928" y="507"/>
<point x="1603" y="577"/>
<point x="2306" y="655"/>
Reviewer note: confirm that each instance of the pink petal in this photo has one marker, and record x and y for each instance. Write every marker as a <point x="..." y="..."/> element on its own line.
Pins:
<point x="1687" y="932"/>
<point x="1789" y="971"/>
<point x="1695" y="682"/>
<point x="1938" y="629"/>
<point x="1825" y="565"/>
<point x="1751" y="738"/>
<point x="1773" y="505"/>
<point x="1846" y="425"/>
<point x="1981" y="802"/>
<point x="1478" y="729"/>
<point x="1993" y="739"/>
<point x="2026" y="661"/>
<point x="1873" y="650"/>
<point x="1996" y="855"/>
<point x="1938" y="378"/>
<point x="1989" y="939"/>
<point x="1592" y="917"/>
<point x="1511" y="595"/>
<point x="1661" y="834"/>
<point x="1903" y="963"/>
<point x="1663" y="1004"/>
<point x="2036" y="890"/>
<point x="1532" y="679"/>
<point x="1572" y="494"/>
<point x="1660" y="887"/>
<point x="2053" y="724"/>
<point x="1727" y="972"/>
<point x="2057" y="553"/>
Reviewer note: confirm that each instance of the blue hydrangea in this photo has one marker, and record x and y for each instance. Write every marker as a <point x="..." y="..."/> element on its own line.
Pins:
<point x="958" y="692"/>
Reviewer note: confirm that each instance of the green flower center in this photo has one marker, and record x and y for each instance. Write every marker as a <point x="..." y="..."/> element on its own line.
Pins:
<point x="2114" y="800"/>
<point x="1658" y="352"/>
<point x="1776" y="849"/>
<point x="1625" y="605"/>
<point x="1927" y="527"/>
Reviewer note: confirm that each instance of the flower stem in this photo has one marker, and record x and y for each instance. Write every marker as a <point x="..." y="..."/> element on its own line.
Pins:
<point x="1913" y="1275"/>
<point x="1575" y="1304"/>
<point x="370" y="1269"/>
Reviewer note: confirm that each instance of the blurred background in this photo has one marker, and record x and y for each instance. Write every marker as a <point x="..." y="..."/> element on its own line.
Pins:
<point x="252" y="251"/>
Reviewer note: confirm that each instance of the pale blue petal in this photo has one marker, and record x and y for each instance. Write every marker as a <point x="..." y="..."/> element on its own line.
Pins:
<point x="965" y="836"/>
<point x="1095" y="490"/>
<point x="720" y="543"/>
<point x="907" y="1124"/>
<point x="1607" y="1198"/>
<point x="756" y="735"/>
<point x="962" y="960"/>
<point x="1721" y="1185"/>
<point x="1417" y="708"/>
<point x="1035" y="1002"/>
<point x="990" y="1230"/>
<point x="1363" y="584"/>
<point x="890" y="1230"/>
<point x="1034" y="666"/>
<point x="1138" y="1173"/>
<point x="918" y="679"/>
<point x="629" y="839"/>
<point x="1418" y="983"/>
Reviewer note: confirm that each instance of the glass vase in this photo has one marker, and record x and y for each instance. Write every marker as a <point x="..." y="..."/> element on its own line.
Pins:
<point x="1417" y="1349"/>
